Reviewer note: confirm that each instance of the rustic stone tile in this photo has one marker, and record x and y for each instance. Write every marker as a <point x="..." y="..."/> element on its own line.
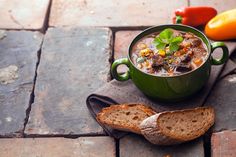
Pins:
<point x="223" y="98"/>
<point x="23" y="14"/>
<point x="133" y="146"/>
<point x="122" y="41"/>
<point x="112" y="13"/>
<point x="74" y="63"/>
<point x="18" y="58"/>
<point x="229" y="68"/>
<point x="223" y="144"/>
<point x="219" y="5"/>
<point x="58" y="147"/>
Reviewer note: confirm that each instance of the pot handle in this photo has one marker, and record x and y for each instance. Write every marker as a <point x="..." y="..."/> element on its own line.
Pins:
<point x="225" y="54"/>
<point x="115" y="74"/>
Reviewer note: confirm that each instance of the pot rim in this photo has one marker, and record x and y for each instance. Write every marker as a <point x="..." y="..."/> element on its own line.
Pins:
<point x="140" y="35"/>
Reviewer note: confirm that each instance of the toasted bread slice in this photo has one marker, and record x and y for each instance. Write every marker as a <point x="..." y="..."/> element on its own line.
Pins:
<point x="174" y="127"/>
<point x="126" y="117"/>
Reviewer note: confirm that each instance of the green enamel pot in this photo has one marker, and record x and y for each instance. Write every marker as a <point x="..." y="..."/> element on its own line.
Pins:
<point x="170" y="88"/>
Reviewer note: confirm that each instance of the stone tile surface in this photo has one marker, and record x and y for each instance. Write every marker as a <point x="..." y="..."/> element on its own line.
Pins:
<point x="23" y="14"/>
<point x="137" y="146"/>
<point x="74" y="63"/>
<point x="219" y="5"/>
<point x="229" y="68"/>
<point x="112" y="13"/>
<point x="58" y="147"/>
<point x="223" y="144"/>
<point x="18" y="58"/>
<point x="223" y="99"/>
<point x="122" y="41"/>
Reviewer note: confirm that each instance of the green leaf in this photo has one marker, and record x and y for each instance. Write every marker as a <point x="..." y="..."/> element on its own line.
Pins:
<point x="157" y="41"/>
<point x="166" y="35"/>
<point x="173" y="47"/>
<point x="165" y="38"/>
<point x="159" y="44"/>
<point x="178" y="39"/>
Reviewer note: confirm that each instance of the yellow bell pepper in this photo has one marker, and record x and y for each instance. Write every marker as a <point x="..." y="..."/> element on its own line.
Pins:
<point x="222" y="26"/>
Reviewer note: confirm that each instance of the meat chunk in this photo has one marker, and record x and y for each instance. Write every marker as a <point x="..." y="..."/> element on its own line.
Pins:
<point x="185" y="58"/>
<point x="195" y="42"/>
<point x="158" y="62"/>
<point x="184" y="68"/>
<point x="156" y="66"/>
<point x="188" y="35"/>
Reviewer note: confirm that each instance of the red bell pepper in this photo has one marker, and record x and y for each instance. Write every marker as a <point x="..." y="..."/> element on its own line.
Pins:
<point x="194" y="16"/>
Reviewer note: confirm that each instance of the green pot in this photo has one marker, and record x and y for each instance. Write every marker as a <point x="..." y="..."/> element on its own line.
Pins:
<point x="170" y="88"/>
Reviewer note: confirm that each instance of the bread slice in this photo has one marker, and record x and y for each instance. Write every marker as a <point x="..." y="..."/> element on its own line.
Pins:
<point x="179" y="126"/>
<point x="126" y="117"/>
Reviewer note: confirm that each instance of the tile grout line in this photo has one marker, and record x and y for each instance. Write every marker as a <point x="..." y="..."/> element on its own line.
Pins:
<point x="117" y="147"/>
<point x="64" y="136"/>
<point x="112" y="53"/>
<point x="47" y="17"/>
<point x="207" y="144"/>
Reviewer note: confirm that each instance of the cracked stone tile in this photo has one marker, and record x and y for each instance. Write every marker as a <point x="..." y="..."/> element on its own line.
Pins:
<point x="18" y="58"/>
<point x="74" y="62"/>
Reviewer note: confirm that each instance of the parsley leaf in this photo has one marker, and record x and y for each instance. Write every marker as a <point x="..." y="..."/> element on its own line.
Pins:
<point x="166" y="38"/>
<point x="178" y="39"/>
<point x="159" y="44"/>
<point x="173" y="47"/>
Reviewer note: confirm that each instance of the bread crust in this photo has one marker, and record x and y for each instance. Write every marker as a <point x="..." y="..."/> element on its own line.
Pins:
<point x="135" y="129"/>
<point x="152" y="132"/>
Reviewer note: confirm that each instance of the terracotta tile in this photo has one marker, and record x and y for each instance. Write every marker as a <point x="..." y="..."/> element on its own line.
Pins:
<point x="122" y="42"/>
<point x="58" y="147"/>
<point x="219" y="5"/>
<point x="223" y="144"/>
<point x="113" y="13"/>
<point x="23" y="14"/>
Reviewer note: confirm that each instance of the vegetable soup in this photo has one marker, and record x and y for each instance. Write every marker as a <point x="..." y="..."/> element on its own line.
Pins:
<point x="169" y="53"/>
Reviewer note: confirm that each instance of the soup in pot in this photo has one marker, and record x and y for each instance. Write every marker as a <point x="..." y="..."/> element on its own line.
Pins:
<point x="169" y="53"/>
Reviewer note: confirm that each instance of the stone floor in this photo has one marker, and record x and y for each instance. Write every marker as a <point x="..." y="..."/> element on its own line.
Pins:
<point x="54" y="53"/>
